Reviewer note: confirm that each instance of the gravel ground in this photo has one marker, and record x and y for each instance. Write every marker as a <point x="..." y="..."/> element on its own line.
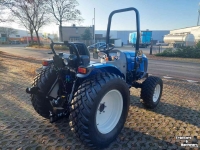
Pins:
<point x="178" y="114"/>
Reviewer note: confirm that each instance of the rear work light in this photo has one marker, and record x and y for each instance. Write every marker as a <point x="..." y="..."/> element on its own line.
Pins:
<point x="82" y="70"/>
<point x="45" y="63"/>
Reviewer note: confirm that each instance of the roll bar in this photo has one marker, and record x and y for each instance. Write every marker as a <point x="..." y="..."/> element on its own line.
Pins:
<point x="137" y="24"/>
<point x="138" y="31"/>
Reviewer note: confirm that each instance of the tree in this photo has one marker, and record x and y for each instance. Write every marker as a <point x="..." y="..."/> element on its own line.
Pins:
<point x="1" y="11"/>
<point x="86" y="35"/>
<point x="4" y="13"/>
<point x="39" y="16"/>
<point x="19" y="11"/>
<point x="64" y="11"/>
<point x="31" y="14"/>
<point x="27" y="24"/>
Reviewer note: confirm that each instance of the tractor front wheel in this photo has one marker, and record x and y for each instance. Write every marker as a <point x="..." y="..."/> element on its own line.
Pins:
<point x="151" y="91"/>
<point x="99" y="110"/>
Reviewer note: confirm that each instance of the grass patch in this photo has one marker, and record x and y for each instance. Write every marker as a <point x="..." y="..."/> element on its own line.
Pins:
<point x="30" y="70"/>
<point x="56" y="47"/>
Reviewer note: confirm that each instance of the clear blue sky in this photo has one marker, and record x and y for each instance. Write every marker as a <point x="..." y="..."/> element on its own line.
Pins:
<point x="154" y="14"/>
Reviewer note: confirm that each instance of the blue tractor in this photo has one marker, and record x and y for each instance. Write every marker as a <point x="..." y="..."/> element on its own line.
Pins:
<point x="94" y="95"/>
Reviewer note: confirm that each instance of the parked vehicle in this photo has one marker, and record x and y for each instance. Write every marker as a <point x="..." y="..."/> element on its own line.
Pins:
<point x="145" y="38"/>
<point x="96" y="46"/>
<point x="161" y="44"/>
<point x="15" y="42"/>
<point x="95" y="96"/>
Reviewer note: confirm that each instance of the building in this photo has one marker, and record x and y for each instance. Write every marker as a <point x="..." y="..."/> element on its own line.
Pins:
<point x="12" y="37"/>
<point x="73" y="33"/>
<point x="157" y="35"/>
<point x="21" y="35"/>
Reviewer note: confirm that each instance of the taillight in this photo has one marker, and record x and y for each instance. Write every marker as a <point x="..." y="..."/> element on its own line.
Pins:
<point x="45" y="63"/>
<point x="82" y="70"/>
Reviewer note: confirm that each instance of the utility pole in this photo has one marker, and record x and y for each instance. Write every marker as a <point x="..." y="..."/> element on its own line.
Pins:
<point x="198" y="15"/>
<point x="151" y="46"/>
<point x="94" y="25"/>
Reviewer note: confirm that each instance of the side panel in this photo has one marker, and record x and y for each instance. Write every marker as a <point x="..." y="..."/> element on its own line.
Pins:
<point x="130" y="56"/>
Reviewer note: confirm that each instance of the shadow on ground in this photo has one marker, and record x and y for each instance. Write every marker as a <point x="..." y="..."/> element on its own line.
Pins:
<point x="13" y="57"/>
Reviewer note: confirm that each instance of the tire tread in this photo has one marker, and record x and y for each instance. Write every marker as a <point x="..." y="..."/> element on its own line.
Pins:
<point x="79" y="121"/>
<point x="43" y="80"/>
<point x="147" y="90"/>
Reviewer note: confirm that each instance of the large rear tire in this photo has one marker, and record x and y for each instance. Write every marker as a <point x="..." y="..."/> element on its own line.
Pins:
<point x="151" y="91"/>
<point x="44" y="80"/>
<point x="99" y="110"/>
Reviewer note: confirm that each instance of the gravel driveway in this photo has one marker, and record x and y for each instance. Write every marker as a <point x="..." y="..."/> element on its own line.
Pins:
<point x="21" y="127"/>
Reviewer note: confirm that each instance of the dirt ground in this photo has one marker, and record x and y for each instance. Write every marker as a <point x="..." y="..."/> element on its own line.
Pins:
<point x="178" y="114"/>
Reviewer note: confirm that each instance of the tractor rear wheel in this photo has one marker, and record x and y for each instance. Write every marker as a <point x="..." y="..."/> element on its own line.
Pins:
<point x="151" y="91"/>
<point x="44" y="80"/>
<point x="99" y="109"/>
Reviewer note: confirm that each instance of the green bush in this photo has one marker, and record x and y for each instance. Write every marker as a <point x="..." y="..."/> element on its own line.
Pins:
<point x="198" y="45"/>
<point x="61" y="47"/>
<point x="184" y="52"/>
<point x="167" y="52"/>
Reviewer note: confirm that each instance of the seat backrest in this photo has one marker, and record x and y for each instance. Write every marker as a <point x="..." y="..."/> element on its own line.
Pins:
<point x="82" y="49"/>
<point x="84" y="53"/>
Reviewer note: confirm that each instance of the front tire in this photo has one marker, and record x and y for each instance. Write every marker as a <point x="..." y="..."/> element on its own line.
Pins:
<point x="99" y="110"/>
<point x="151" y="91"/>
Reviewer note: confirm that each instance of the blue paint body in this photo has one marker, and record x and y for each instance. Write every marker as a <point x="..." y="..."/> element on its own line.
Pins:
<point x="97" y="68"/>
<point x="130" y="57"/>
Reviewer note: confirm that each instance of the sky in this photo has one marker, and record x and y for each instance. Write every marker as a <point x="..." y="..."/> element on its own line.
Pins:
<point x="154" y="14"/>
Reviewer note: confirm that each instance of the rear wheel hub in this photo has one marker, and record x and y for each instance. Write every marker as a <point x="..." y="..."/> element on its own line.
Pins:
<point x="107" y="116"/>
<point x="102" y="107"/>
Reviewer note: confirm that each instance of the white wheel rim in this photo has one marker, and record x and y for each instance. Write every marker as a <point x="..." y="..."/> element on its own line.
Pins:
<point x="109" y="111"/>
<point x="156" y="93"/>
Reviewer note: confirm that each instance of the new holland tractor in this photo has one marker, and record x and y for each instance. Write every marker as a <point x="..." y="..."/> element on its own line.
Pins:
<point x="94" y="95"/>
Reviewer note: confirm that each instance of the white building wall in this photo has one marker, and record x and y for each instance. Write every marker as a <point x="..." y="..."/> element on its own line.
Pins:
<point x="124" y="35"/>
<point x="113" y="34"/>
<point x="20" y="33"/>
<point x="159" y="34"/>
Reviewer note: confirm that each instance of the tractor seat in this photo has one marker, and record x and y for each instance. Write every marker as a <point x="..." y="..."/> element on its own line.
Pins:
<point x="82" y="49"/>
<point x="83" y="53"/>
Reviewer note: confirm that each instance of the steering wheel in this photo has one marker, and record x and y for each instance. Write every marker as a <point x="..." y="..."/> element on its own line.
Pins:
<point x="105" y="49"/>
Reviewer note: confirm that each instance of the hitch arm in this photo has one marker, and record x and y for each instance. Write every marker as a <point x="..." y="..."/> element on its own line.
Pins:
<point x="32" y="90"/>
